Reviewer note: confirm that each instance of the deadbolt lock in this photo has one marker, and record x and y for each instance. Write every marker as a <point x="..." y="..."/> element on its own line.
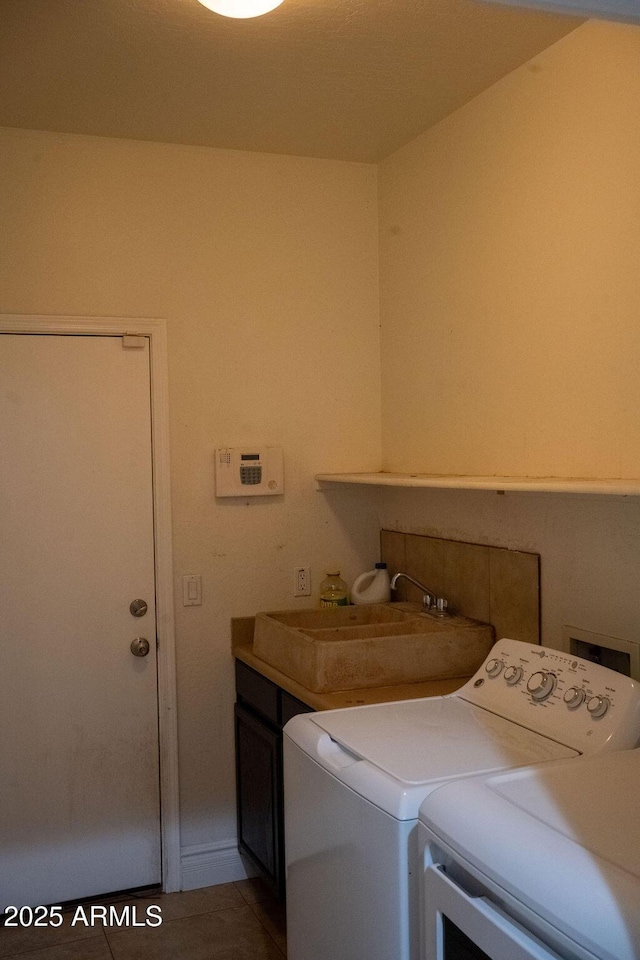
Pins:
<point x="138" y="608"/>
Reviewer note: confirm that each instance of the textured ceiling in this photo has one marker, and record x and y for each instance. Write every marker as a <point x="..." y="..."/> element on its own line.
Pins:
<point x="343" y="79"/>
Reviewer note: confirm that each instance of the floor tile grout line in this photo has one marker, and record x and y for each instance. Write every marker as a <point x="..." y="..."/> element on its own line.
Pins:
<point x="106" y="940"/>
<point x="52" y="946"/>
<point x="244" y="906"/>
<point x="271" y="936"/>
<point x="187" y="916"/>
<point x="267" y="895"/>
<point x="46" y="946"/>
<point x="266" y="929"/>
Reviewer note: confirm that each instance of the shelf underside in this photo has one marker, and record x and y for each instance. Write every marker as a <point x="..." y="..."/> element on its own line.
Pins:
<point x="611" y="487"/>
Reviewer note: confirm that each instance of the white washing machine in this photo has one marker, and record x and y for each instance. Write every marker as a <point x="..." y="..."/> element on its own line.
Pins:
<point x="536" y="864"/>
<point x="355" y="779"/>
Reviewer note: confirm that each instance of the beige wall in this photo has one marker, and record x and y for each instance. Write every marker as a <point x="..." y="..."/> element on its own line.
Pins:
<point x="510" y="308"/>
<point x="265" y="268"/>
<point x="510" y="239"/>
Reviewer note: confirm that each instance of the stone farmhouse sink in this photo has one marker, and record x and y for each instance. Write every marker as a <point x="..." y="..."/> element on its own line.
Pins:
<point x="376" y="645"/>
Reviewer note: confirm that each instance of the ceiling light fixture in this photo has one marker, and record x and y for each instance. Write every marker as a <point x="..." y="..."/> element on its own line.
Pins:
<point x="241" y="9"/>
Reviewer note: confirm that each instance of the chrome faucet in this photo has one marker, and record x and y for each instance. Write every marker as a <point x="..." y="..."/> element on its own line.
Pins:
<point x="429" y="600"/>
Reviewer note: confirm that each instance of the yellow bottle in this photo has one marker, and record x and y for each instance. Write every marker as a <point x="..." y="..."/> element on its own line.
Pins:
<point x="333" y="591"/>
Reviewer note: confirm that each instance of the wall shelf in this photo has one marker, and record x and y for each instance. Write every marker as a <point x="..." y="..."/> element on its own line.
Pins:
<point x="612" y="487"/>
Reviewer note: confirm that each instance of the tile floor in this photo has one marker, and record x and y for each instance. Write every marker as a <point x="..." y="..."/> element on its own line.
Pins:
<point x="233" y="921"/>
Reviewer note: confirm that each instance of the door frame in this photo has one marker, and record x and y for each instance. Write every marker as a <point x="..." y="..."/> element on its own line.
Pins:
<point x="156" y="331"/>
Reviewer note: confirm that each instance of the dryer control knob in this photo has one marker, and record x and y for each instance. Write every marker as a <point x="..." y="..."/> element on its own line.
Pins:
<point x="512" y="675"/>
<point x="598" y="706"/>
<point x="541" y="685"/>
<point x="494" y="667"/>
<point x="573" y="697"/>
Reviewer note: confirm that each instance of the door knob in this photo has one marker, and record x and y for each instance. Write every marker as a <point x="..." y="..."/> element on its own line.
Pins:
<point x="140" y="647"/>
<point x="137" y="608"/>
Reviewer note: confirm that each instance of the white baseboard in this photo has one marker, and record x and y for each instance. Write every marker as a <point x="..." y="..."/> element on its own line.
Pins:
<point x="207" y="864"/>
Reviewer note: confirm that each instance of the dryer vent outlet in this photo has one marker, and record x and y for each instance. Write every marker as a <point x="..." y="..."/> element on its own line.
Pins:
<point x="623" y="656"/>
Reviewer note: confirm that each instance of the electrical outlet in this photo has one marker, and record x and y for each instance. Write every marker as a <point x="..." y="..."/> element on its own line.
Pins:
<point x="302" y="581"/>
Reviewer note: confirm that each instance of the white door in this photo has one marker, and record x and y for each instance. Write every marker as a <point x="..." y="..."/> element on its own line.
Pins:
<point x="79" y="794"/>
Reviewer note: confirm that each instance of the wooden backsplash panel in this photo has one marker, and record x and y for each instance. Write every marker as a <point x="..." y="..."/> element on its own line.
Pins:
<point x="493" y="584"/>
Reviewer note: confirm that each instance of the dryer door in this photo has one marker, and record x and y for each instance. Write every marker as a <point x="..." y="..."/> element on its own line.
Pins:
<point x="459" y="926"/>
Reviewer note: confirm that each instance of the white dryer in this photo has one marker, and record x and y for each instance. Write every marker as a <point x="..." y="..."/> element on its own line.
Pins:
<point x="535" y="864"/>
<point x="355" y="779"/>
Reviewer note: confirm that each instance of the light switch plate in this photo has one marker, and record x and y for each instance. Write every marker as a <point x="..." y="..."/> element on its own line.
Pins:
<point x="192" y="590"/>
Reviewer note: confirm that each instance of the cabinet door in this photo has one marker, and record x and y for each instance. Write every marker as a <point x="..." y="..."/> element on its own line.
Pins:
<point x="259" y="785"/>
<point x="257" y="693"/>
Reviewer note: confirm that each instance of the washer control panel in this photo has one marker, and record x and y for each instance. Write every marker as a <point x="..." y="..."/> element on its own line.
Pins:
<point x="573" y="701"/>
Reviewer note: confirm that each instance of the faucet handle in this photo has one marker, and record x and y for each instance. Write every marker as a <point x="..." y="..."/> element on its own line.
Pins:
<point x="441" y="607"/>
<point x="428" y="601"/>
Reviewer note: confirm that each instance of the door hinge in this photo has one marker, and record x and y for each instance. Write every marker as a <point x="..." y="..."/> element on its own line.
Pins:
<point x="132" y="340"/>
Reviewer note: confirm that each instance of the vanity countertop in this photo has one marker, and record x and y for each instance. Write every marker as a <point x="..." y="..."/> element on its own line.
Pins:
<point x="242" y="649"/>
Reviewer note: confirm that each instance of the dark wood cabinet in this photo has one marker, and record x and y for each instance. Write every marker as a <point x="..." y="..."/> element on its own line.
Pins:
<point x="261" y="711"/>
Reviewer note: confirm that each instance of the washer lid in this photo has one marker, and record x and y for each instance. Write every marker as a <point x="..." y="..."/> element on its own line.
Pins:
<point x="424" y="741"/>
<point x="560" y="842"/>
